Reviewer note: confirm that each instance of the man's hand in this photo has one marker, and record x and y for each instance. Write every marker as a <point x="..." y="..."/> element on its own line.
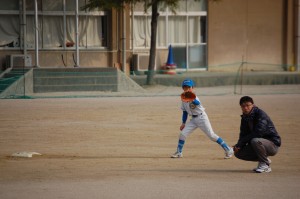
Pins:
<point x="236" y="149"/>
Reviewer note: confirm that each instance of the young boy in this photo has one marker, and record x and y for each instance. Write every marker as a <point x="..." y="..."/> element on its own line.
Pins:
<point x="199" y="120"/>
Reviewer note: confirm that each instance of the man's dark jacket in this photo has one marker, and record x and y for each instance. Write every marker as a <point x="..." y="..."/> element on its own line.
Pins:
<point x="257" y="124"/>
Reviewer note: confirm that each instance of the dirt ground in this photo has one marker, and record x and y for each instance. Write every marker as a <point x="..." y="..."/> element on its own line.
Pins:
<point x="120" y="147"/>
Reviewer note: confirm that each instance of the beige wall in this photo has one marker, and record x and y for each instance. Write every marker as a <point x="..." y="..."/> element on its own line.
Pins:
<point x="246" y="29"/>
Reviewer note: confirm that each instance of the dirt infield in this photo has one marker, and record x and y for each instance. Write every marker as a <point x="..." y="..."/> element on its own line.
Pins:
<point x="119" y="147"/>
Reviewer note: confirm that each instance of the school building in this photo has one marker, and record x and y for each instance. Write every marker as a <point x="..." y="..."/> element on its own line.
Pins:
<point x="204" y="35"/>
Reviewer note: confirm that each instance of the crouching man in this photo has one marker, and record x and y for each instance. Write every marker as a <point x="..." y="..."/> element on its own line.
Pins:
<point x="258" y="137"/>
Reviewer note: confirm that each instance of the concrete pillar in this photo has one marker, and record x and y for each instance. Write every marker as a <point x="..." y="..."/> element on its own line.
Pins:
<point x="297" y="35"/>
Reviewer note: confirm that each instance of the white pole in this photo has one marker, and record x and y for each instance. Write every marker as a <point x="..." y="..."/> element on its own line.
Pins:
<point x="36" y="34"/>
<point x="124" y="41"/>
<point x="77" y="36"/>
<point x="25" y="31"/>
<point x="297" y="39"/>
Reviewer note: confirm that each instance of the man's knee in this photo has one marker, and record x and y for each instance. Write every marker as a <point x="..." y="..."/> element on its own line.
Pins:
<point x="255" y="142"/>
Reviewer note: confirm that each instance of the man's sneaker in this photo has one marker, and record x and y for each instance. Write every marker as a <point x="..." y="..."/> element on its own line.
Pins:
<point x="263" y="168"/>
<point x="229" y="153"/>
<point x="259" y="164"/>
<point x="269" y="160"/>
<point x="177" y="155"/>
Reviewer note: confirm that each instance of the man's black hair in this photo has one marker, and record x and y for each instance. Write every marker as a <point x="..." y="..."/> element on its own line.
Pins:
<point x="246" y="99"/>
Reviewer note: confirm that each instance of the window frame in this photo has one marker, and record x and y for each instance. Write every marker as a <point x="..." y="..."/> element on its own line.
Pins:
<point x="63" y="13"/>
<point x="187" y="44"/>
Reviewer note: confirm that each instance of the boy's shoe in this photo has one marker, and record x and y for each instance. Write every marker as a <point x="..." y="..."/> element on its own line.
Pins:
<point x="263" y="168"/>
<point x="229" y="153"/>
<point x="177" y="155"/>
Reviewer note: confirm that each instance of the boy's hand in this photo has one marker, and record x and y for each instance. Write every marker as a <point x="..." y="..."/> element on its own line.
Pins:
<point x="182" y="126"/>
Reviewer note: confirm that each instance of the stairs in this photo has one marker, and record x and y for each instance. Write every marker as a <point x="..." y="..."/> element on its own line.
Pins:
<point x="10" y="77"/>
<point x="74" y="79"/>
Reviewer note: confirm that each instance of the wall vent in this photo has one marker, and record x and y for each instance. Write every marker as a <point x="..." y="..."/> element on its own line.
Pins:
<point x="141" y="62"/>
<point x="17" y="61"/>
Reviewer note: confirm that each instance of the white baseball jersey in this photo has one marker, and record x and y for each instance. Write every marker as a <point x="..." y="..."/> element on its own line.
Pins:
<point x="191" y="108"/>
<point x="200" y="120"/>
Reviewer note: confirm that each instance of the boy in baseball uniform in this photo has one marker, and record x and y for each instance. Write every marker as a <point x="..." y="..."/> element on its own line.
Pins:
<point x="199" y="119"/>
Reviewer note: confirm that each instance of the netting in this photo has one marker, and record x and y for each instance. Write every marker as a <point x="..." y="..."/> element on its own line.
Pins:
<point x="235" y="78"/>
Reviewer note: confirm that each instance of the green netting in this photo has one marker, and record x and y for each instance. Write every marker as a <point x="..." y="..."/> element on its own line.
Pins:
<point x="110" y="82"/>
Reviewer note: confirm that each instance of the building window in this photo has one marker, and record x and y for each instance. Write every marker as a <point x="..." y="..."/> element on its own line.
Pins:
<point x="56" y="25"/>
<point x="185" y="31"/>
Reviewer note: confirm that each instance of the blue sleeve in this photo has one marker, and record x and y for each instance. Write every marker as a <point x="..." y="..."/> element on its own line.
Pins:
<point x="196" y="102"/>
<point x="184" y="116"/>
